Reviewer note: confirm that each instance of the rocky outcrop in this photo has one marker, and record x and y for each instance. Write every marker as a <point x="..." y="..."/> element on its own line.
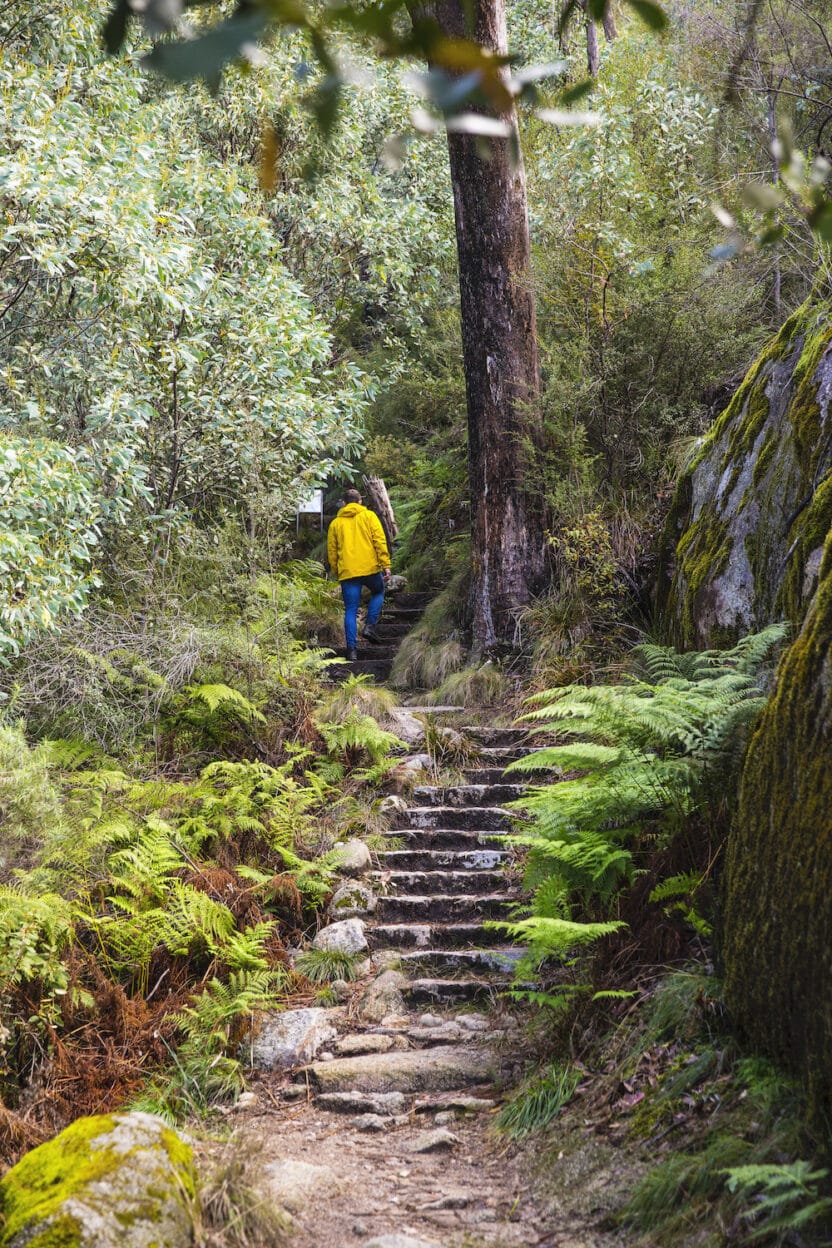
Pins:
<point x="744" y="538"/>
<point x="777" y="914"/>
<point x="113" y="1181"/>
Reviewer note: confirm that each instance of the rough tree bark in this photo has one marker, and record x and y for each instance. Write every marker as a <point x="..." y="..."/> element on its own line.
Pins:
<point x="499" y="340"/>
<point x="593" y="56"/>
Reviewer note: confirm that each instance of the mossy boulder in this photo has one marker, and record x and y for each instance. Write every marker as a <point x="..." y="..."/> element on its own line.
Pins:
<point x="777" y="923"/>
<point x="112" y="1181"/>
<point x="743" y="542"/>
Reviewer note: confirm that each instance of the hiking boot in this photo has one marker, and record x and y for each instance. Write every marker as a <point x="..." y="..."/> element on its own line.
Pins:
<point x="352" y="655"/>
<point x="369" y="634"/>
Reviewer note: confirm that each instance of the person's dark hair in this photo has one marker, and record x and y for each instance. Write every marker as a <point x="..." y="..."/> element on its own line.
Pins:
<point x="352" y="496"/>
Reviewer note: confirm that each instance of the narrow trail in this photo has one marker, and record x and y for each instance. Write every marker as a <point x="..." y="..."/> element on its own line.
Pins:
<point x="386" y="1138"/>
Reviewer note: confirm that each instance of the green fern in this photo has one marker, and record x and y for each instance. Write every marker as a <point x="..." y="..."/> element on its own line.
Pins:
<point x="636" y="755"/>
<point x="783" y="1199"/>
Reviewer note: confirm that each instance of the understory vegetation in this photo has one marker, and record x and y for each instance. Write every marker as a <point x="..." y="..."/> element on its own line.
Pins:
<point x="220" y="297"/>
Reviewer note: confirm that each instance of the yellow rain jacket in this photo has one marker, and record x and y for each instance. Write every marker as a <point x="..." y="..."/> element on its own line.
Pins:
<point x="356" y="544"/>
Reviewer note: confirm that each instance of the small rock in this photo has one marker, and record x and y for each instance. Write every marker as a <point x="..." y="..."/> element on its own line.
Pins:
<point x="371" y="1123"/>
<point x="354" y="858"/>
<point x="346" y="937"/>
<point x="393" y="805"/>
<point x="352" y="900"/>
<point x="294" y="1091"/>
<point x="384" y="996"/>
<point x="445" y="1118"/>
<point x="430" y="1020"/>
<point x="415" y="762"/>
<point x="385" y="1103"/>
<point x="291" y="1037"/>
<point x="246" y="1100"/>
<point x="370" y="1042"/>
<point x="471" y="1104"/>
<point x="472" y="1022"/>
<point x="360" y="1228"/>
<point x="326" y="1056"/>
<point x="292" y="1184"/>
<point x="406" y="727"/>
<point x="395" y="1240"/>
<point x="438" y="1141"/>
<point x="341" y="990"/>
<point x="395" y="583"/>
<point x="395" y="1020"/>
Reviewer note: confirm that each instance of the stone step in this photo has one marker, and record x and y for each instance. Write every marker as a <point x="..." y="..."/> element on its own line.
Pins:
<point x="412" y="599"/>
<point x="379" y="669"/>
<point x="429" y="883"/>
<point x="408" y="614"/>
<point x="431" y="935"/>
<point x="501" y="958"/>
<point x="494" y="755"/>
<point x="367" y="652"/>
<point x="443" y="907"/>
<point x="445" y="838"/>
<point x="495" y="737"/>
<point x="467" y="794"/>
<point x="498" y="775"/>
<point x="474" y="818"/>
<point x="437" y="859"/>
<point x="444" y="1068"/>
<point x="450" y="991"/>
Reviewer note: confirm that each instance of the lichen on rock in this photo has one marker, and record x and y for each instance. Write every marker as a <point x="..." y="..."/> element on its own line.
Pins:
<point x="777" y="927"/>
<point x="750" y="514"/>
<point x="111" y="1181"/>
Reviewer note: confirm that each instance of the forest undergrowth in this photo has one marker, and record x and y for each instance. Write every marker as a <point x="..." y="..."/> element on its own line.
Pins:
<point x="632" y="1047"/>
<point x="171" y="819"/>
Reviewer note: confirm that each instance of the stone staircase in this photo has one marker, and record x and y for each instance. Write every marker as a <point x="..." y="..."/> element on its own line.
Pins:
<point x="446" y="876"/>
<point x="401" y="612"/>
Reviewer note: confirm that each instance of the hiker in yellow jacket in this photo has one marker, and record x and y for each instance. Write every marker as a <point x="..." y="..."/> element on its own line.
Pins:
<point x="358" y="556"/>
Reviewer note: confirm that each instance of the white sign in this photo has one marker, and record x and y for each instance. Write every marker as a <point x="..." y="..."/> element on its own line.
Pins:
<point x="313" y="505"/>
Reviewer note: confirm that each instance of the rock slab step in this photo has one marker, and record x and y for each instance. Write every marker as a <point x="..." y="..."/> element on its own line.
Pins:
<point x="445" y="1068"/>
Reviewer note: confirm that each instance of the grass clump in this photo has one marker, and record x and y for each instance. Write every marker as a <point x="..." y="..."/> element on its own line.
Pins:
<point x="538" y="1102"/>
<point x="472" y="686"/>
<point x="324" y="966"/>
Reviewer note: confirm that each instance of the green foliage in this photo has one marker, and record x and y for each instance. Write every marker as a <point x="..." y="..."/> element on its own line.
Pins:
<point x="49" y="537"/>
<point x="538" y="1102"/>
<point x="782" y="1200"/>
<point x="28" y="798"/>
<point x="484" y="685"/>
<point x="358" y="695"/>
<point x="646" y="756"/>
<point x="358" y="738"/>
<point x="323" y="966"/>
<point x="185" y="400"/>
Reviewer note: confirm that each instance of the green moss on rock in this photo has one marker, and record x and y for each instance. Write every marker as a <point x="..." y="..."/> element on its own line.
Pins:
<point x="743" y="512"/>
<point x="123" y="1179"/>
<point x="777" y="934"/>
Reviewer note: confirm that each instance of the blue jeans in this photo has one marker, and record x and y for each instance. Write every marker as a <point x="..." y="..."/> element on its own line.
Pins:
<point x="351" y="593"/>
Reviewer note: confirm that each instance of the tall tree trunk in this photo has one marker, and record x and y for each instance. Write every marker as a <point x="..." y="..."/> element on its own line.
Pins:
<point x="499" y="340"/>
<point x="608" y="22"/>
<point x="593" y="56"/>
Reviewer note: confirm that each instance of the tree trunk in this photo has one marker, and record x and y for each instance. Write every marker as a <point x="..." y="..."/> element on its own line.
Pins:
<point x="379" y="502"/>
<point x="593" y="57"/>
<point x="608" y="22"/>
<point x="499" y="341"/>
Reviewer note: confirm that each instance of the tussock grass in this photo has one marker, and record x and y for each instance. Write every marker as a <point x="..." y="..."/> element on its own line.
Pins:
<point x="538" y="1102"/>
<point x="323" y="966"/>
<point x="472" y="686"/>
